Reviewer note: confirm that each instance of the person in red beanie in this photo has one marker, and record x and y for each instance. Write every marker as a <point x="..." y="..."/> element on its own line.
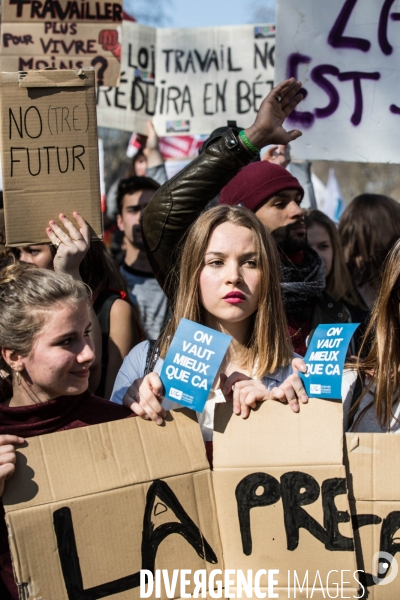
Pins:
<point x="275" y="196"/>
<point x="230" y="162"/>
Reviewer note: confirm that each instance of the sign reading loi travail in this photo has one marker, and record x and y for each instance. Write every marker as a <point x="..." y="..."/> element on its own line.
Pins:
<point x="325" y="359"/>
<point x="203" y="77"/>
<point x="192" y="363"/>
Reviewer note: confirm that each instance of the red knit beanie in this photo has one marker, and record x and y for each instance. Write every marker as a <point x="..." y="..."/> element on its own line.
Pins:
<point x="257" y="182"/>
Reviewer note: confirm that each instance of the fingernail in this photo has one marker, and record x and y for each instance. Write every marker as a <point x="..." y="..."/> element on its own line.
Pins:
<point x="159" y="421"/>
<point x="146" y="417"/>
<point x="52" y="222"/>
<point x="295" y="407"/>
<point x="62" y="216"/>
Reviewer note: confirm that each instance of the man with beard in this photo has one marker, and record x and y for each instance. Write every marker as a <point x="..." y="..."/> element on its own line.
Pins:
<point x="275" y="196"/>
<point x="133" y="196"/>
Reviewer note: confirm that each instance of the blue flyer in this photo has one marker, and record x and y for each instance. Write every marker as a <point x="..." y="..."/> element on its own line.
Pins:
<point x="192" y="363"/>
<point x="325" y="359"/>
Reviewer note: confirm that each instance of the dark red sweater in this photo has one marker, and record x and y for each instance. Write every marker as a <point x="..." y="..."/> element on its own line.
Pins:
<point x="66" y="412"/>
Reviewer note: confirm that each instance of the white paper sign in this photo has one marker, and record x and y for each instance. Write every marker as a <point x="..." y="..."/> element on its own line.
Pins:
<point x="346" y="53"/>
<point x="204" y="77"/>
<point x="130" y="105"/>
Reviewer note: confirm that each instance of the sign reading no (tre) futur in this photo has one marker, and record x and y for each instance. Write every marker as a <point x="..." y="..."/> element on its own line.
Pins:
<point x="49" y="151"/>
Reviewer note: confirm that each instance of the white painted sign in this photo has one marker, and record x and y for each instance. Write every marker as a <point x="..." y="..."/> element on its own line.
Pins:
<point x="189" y="80"/>
<point x="346" y="53"/>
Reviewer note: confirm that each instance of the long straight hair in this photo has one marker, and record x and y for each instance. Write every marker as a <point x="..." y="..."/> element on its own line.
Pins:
<point x="268" y="345"/>
<point x="382" y="363"/>
<point x="338" y="282"/>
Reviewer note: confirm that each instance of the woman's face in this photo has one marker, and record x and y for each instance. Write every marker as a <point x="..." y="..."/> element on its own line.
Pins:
<point x="39" y="255"/>
<point x="62" y="353"/>
<point x="320" y="241"/>
<point x="230" y="277"/>
<point x="140" y="166"/>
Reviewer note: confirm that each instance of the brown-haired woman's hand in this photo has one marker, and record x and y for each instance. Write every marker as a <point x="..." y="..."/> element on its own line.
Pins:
<point x="292" y="389"/>
<point x="71" y="246"/>
<point x="7" y="457"/>
<point x="243" y="391"/>
<point x="268" y="126"/>
<point x="144" y="398"/>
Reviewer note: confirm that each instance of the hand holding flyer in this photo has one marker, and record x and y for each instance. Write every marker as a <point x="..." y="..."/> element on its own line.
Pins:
<point x="192" y="363"/>
<point x="325" y="359"/>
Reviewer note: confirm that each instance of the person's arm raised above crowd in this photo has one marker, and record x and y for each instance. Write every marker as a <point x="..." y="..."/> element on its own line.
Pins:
<point x="71" y="250"/>
<point x="178" y="203"/>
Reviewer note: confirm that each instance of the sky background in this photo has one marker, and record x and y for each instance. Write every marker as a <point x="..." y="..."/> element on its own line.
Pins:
<point x="201" y="13"/>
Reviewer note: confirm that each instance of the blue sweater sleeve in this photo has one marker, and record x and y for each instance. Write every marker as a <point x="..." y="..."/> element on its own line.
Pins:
<point x="131" y="369"/>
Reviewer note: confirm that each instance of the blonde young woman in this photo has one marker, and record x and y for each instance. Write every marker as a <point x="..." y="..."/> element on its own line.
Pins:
<point x="228" y="280"/>
<point x="47" y="353"/>
<point x="371" y="387"/>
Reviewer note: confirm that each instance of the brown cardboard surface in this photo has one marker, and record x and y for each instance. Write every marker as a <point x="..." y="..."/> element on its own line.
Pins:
<point x="373" y="462"/>
<point x="49" y="151"/>
<point x="260" y="461"/>
<point x="111" y="471"/>
<point x="63" y="35"/>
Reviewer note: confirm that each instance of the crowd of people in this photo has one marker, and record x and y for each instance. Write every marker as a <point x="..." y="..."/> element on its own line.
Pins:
<point x="226" y="244"/>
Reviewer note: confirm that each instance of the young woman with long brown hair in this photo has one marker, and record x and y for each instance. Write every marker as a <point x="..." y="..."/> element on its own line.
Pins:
<point x="227" y="278"/>
<point x="371" y="385"/>
<point x="229" y="281"/>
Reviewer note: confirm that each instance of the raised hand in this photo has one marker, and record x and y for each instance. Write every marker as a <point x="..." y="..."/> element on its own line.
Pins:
<point x="268" y="126"/>
<point x="71" y="246"/>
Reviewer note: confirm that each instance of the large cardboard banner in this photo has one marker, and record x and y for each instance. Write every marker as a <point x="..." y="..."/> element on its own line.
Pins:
<point x="374" y="490"/>
<point x="62" y="35"/>
<point x="49" y="153"/>
<point x="89" y="508"/>
<point x="346" y="55"/>
<point x="203" y="76"/>
<point x="281" y="495"/>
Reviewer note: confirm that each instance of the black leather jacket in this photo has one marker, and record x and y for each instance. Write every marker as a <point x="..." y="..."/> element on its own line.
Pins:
<point x="179" y="202"/>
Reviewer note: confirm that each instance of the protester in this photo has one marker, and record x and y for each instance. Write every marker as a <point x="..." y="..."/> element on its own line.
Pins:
<point x="133" y="196"/>
<point x="266" y="189"/>
<point x="228" y="281"/>
<point x="368" y="228"/>
<point x="47" y="352"/>
<point x="323" y="237"/>
<point x="89" y="261"/>
<point x="228" y="290"/>
<point x="148" y="161"/>
<point x="370" y="386"/>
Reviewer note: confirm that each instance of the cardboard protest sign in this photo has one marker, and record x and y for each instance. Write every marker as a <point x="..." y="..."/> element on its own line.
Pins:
<point x="89" y="508"/>
<point x="325" y="358"/>
<point x="49" y="151"/>
<point x="203" y="76"/>
<point x="373" y="461"/>
<point x="62" y="34"/>
<point x="281" y="495"/>
<point x="346" y="55"/>
<point x="192" y="362"/>
<point x="132" y="103"/>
